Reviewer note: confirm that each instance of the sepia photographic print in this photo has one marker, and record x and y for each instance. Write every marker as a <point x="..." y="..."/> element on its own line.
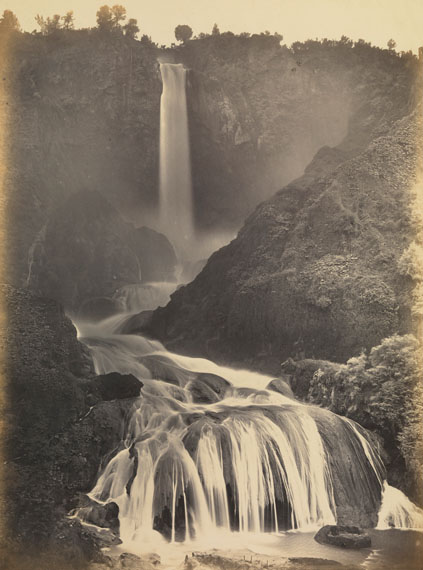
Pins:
<point x="211" y="291"/>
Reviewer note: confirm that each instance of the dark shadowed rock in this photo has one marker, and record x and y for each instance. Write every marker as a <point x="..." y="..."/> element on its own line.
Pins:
<point x="156" y="254"/>
<point x="86" y="251"/>
<point x="201" y="393"/>
<point x="115" y="386"/>
<point x="56" y="439"/>
<point x="281" y="386"/>
<point x="104" y="516"/>
<point x="216" y="383"/>
<point x="343" y="536"/>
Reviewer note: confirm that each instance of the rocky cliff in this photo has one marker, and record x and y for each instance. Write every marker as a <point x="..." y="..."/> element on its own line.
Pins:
<point x="316" y="271"/>
<point x="60" y="424"/>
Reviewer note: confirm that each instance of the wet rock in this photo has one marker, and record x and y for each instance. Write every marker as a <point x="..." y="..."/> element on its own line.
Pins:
<point x="115" y="386"/>
<point x="129" y="561"/>
<point x="104" y="516"/>
<point x="201" y="393"/>
<point x="208" y="388"/>
<point x="343" y="536"/>
<point x="280" y="386"/>
<point x="216" y="383"/>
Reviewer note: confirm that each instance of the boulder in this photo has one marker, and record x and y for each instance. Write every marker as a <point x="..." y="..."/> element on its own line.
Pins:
<point x="280" y="386"/>
<point x="201" y="393"/>
<point x="115" y="386"/>
<point x="102" y="515"/>
<point x="343" y="536"/>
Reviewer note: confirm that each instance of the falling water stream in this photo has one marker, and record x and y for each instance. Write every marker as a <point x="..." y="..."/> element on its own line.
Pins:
<point x="176" y="209"/>
<point x="212" y="454"/>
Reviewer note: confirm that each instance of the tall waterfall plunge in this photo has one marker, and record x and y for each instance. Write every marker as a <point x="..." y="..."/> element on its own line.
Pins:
<point x="176" y="209"/>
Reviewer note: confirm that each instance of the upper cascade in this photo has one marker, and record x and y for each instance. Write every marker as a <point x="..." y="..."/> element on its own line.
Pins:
<point x="176" y="208"/>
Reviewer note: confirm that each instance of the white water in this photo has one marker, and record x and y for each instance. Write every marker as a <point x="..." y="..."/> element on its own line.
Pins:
<point x="176" y="209"/>
<point x="397" y="511"/>
<point x="253" y="461"/>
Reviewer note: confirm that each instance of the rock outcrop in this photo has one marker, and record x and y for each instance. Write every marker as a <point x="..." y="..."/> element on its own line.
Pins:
<point x="58" y="430"/>
<point x="315" y="272"/>
<point x="343" y="536"/>
<point x="87" y="251"/>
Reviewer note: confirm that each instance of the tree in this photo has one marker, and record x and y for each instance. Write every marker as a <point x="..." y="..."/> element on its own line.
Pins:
<point x="131" y="28"/>
<point x="9" y="22"/>
<point x="118" y="15"/>
<point x="183" y="33"/>
<point x="104" y="18"/>
<point x="392" y="44"/>
<point x="68" y="21"/>
<point x="48" y="25"/>
<point x="215" y="30"/>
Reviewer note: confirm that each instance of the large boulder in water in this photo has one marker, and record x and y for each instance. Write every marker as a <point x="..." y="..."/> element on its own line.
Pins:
<point x="87" y="250"/>
<point x="343" y="536"/>
<point x="115" y="386"/>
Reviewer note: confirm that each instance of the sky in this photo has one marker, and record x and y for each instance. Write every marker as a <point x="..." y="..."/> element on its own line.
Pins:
<point x="373" y="20"/>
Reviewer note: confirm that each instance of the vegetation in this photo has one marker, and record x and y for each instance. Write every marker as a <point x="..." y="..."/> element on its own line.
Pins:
<point x="383" y="391"/>
<point x="9" y="22"/>
<point x="183" y="33"/>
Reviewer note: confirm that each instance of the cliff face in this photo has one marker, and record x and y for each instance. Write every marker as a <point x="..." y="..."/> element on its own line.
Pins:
<point x="316" y="271"/>
<point x="260" y="111"/>
<point x="60" y="425"/>
<point x="85" y="116"/>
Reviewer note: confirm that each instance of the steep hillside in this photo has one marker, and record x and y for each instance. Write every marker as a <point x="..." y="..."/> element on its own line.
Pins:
<point x="317" y="271"/>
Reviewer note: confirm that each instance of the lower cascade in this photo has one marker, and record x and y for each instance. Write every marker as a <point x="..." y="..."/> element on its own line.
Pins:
<point x="210" y="450"/>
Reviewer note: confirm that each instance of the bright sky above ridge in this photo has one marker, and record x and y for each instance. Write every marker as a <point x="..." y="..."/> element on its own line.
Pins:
<point x="373" y="20"/>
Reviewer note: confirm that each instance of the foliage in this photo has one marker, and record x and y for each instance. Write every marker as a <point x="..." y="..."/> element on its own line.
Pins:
<point x="392" y="44"/>
<point x="215" y="30"/>
<point x="9" y="21"/>
<point x="183" y="33"/>
<point x="131" y="28"/>
<point x="48" y="25"/>
<point x="104" y="18"/>
<point x="410" y="262"/>
<point x="383" y="391"/>
<point x="118" y="15"/>
<point x="68" y="21"/>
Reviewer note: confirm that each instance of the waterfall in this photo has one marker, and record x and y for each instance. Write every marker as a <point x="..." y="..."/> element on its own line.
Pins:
<point x="176" y="209"/>
<point x="211" y="450"/>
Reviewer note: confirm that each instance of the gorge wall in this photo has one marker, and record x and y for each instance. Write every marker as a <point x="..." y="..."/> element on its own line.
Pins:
<point x="86" y="108"/>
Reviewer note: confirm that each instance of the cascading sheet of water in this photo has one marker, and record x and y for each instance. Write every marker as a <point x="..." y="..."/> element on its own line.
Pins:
<point x="210" y="450"/>
<point x="397" y="511"/>
<point x="175" y="208"/>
